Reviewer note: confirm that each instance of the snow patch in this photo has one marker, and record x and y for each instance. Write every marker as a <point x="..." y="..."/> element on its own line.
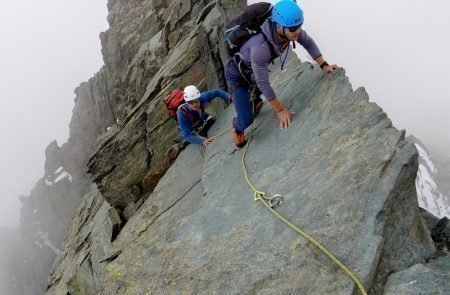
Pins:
<point x="428" y="193"/>
<point x="424" y="155"/>
<point x="63" y="175"/>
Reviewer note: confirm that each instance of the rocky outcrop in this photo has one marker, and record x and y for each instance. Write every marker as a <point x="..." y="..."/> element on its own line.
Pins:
<point x="52" y="203"/>
<point x="347" y="177"/>
<point x="134" y="49"/>
<point x="440" y="231"/>
<point x="142" y="35"/>
<point x="431" y="278"/>
<point x="122" y="162"/>
<point x="346" y="174"/>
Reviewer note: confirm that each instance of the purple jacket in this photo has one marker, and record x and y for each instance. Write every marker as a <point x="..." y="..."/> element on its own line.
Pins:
<point x="257" y="55"/>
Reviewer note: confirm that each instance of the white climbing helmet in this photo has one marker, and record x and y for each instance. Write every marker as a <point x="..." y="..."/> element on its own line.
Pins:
<point x="191" y="93"/>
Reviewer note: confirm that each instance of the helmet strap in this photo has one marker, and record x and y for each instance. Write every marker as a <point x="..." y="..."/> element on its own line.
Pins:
<point x="282" y="35"/>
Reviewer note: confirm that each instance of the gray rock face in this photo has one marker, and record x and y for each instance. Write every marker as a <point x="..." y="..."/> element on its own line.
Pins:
<point x="440" y="231"/>
<point x="53" y="158"/>
<point x="432" y="278"/>
<point x="135" y="47"/>
<point x="76" y="268"/>
<point x="141" y="36"/>
<point x="346" y="174"/>
<point x="52" y="203"/>
<point x="347" y="177"/>
<point x="122" y="161"/>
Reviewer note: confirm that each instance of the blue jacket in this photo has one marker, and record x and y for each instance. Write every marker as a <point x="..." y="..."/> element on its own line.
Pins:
<point x="184" y="124"/>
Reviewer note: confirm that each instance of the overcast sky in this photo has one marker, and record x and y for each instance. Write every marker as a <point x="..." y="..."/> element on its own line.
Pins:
<point x="397" y="49"/>
<point x="48" y="48"/>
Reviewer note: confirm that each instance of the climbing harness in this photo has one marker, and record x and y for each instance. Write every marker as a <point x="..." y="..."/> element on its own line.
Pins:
<point x="274" y="200"/>
<point x="269" y="201"/>
<point x="245" y="73"/>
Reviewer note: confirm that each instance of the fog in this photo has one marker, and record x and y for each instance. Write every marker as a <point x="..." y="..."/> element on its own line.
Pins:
<point x="398" y="50"/>
<point x="47" y="48"/>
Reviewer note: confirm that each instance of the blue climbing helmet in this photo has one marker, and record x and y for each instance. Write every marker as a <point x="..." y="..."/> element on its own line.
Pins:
<point x="287" y="14"/>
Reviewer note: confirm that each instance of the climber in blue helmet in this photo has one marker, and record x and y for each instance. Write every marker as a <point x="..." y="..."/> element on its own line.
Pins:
<point x="250" y="66"/>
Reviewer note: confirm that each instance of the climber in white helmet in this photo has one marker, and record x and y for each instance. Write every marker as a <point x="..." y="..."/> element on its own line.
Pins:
<point x="192" y="117"/>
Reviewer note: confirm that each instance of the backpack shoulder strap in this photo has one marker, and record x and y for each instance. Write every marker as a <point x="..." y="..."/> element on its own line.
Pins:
<point x="187" y="113"/>
<point x="183" y="109"/>
<point x="272" y="50"/>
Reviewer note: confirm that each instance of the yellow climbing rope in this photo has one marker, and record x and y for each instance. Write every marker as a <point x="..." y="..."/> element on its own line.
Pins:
<point x="260" y="196"/>
<point x="220" y="133"/>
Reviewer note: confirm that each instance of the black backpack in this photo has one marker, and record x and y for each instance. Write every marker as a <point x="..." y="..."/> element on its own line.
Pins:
<point x="245" y="25"/>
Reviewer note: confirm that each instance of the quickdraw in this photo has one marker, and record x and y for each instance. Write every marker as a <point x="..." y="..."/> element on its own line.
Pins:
<point x="273" y="201"/>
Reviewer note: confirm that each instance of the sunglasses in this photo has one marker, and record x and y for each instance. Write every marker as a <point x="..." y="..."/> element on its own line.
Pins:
<point x="194" y="101"/>
<point x="294" y="29"/>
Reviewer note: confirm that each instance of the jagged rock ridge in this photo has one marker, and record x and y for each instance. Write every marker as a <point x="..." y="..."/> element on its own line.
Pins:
<point x="151" y="47"/>
<point x="346" y="173"/>
<point x="52" y="203"/>
<point x="132" y="54"/>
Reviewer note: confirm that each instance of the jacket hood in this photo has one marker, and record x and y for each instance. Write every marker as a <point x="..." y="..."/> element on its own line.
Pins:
<point x="268" y="30"/>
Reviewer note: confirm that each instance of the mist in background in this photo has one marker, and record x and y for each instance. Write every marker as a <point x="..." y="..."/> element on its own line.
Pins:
<point x="47" y="49"/>
<point x="399" y="52"/>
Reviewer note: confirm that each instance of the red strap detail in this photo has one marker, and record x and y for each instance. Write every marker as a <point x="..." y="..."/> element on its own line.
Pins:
<point x="192" y="118"/>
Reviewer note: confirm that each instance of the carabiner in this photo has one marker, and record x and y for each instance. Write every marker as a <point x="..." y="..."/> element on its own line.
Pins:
<point x="276" y="200"/>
